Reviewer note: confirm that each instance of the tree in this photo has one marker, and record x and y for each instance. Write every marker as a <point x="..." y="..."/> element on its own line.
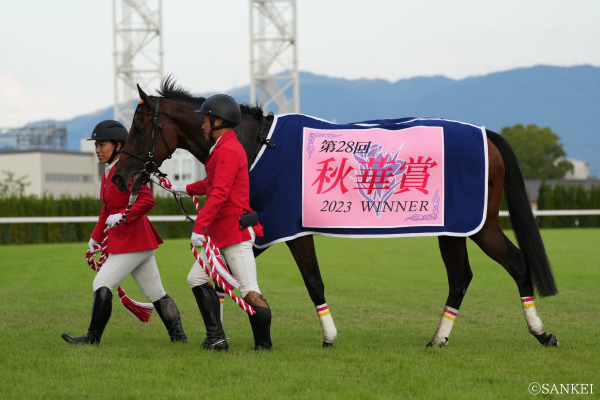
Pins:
<point x="540" y="154"/>
<point x="12" y="186"/>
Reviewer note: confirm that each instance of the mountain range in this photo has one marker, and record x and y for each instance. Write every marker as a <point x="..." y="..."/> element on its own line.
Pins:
<point x="566" y="99"/>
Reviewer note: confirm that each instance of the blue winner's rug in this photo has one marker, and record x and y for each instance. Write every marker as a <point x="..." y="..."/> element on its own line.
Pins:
<point x="276" y="179"/>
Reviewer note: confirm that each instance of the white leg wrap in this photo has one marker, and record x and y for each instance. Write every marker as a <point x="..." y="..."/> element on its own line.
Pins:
<point x="329" y="331"/>
<point x="534" y="323"/>
<point x="442" y="333"/>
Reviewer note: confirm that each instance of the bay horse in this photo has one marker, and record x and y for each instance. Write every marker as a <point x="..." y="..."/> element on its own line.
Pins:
<point x="162" y="124"/>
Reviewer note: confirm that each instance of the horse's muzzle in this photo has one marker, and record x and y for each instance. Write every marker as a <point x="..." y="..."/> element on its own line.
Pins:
<point x="120" y="182"/>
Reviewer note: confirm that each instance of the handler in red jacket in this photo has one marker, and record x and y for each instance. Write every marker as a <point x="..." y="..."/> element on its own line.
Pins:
<point x="131" y="245"/>
<point x="227" y="190"/>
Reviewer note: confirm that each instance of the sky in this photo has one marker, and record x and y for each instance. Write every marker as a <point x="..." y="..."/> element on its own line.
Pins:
<point x="56" y="57"/>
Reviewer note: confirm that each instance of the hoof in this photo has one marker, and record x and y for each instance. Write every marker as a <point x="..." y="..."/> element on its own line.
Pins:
<point x="326" y="344"/>
<point x="442" y="344"/>
<point x="552" y="341"/>
<point x="547" y="340"/>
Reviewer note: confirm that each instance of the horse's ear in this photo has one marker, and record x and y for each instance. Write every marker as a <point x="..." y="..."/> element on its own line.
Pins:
<point x="143" y="95"/>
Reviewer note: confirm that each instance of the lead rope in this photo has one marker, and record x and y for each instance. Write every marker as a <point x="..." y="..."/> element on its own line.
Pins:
<point x="142" y="311"/>
<point x="218" y="270"/>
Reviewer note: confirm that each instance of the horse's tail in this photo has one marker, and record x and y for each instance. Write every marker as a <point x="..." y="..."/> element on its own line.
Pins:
<point x="523" y="221"/>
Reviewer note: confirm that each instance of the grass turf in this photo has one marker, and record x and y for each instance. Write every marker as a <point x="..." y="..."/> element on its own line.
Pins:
<point x="386" y="297"/>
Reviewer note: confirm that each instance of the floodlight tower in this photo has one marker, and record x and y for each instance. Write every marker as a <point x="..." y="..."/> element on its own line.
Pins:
<point x="138" y="52"/>
<point x="273" y="55"/>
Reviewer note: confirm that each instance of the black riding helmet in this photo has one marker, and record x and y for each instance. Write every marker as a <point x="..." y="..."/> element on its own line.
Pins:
<point x="110" y="130"/>
<point x="221" y="106"/>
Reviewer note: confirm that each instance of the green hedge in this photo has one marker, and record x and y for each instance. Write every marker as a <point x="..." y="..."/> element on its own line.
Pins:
<point x="562" y="197"/>
<point x="66" y="206"/>
<point x="569" y="197"/>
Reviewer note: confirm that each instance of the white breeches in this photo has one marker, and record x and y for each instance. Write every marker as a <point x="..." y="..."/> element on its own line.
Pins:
<point x="239" y="258"/>
<point x="142" y="267"/>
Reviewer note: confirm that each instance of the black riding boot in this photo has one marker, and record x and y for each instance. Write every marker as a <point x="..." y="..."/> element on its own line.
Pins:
<point x="169" y="313"/>
<point x="261" y="328"/>
<point x="100" y="315"/>
<point x="209" y="305"/>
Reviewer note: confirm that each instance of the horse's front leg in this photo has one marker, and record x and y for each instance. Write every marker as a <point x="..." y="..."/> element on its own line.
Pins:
<point x="303" y="250"/>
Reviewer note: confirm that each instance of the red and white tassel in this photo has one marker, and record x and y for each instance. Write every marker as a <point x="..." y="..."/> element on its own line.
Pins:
<point x="216" y="260"/>
<point x="218" y="280"/>
<point x="142" y="311"/>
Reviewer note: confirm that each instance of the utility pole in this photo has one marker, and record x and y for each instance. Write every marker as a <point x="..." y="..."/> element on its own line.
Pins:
<point x="273" y="55"/>
<point x="138" y="52"/>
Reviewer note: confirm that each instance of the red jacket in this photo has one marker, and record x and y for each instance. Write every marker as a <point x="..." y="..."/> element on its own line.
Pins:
<point x="227" y="190"/>
<point x="136" y="233"/>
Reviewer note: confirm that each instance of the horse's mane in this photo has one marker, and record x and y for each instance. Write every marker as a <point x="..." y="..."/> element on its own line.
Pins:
<point x="169" y="89"/>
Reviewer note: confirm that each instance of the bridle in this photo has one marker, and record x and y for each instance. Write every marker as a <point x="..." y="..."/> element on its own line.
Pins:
<point x="150" y="167"/>
<point x="149" y="164"/>
<point x="260" y="140"/>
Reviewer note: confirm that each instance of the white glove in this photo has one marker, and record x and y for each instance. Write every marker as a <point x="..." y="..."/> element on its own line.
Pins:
<point x="198" y="240"/>
<point x="112" y="220"/>
<point x="91" y="244"/>
<point x="180" y="190"/>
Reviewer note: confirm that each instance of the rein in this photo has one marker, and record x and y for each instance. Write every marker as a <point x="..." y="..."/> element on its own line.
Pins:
<point x="262" y="140"/>
<point x="163" y="178"/>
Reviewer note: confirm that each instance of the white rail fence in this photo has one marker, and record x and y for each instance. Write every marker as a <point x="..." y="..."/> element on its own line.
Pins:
<point x="49" y="220"/>
<point x="181" y="218"/>
<point x="541" y="213"/>
<point x="66" y="235"/>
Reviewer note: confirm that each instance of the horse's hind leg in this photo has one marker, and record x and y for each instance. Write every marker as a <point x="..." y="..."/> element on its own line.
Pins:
<point x="456" y="259"/>
<point x="303" y="250"/>
<point x="497" y="246"/>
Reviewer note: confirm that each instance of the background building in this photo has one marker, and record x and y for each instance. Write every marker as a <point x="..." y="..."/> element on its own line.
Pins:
<point x="49" y="136"/>
<point x="581" y="170"/>
<point x="53" y="172"/>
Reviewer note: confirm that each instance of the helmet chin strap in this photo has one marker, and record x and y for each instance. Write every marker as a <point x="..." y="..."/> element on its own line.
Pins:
<point x="115" y="152"/>
<point x="213" y="127"/>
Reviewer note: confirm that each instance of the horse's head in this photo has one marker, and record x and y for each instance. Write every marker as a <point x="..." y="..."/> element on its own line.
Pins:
<point x="182" y="129"/>
<point x="154" y="135"/>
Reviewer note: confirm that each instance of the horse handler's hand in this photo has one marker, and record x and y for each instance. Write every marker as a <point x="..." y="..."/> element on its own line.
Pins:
<point x="198" y="240"/>
<point x="179" y="190"/>
<point x="91" y="244"/>
<point x="112" y="220"/>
